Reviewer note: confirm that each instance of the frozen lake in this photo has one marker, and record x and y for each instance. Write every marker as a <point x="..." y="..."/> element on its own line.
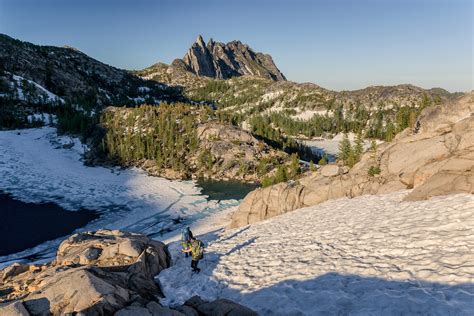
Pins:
<point x="25" y="225"/>
<point x="38" y="166"/>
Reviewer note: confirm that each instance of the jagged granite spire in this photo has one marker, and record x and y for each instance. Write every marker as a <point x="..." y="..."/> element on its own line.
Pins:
<point x="198" y="59"/>
<point x="200" y="41"/>
<point x="223" y="61"/>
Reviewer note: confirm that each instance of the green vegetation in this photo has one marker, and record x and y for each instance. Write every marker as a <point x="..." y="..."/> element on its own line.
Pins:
<point x="262" y="128"/>
<point x="381" y="124"/>
<point x="13" y="116"/>
<point x="165" y="135"/>
<point x="71" y="120"/>
<point x="284" y="172"/>
<point x="242" y="98"/>
<point x="227" y="93"/>
<point x="323" y="161"/>
<point x="374" y="169"/>
<point x="350" y="154"/>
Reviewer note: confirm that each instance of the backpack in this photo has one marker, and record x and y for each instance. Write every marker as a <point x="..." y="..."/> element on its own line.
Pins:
<point x="197" y="249"/>
<point x="185" y="235"/>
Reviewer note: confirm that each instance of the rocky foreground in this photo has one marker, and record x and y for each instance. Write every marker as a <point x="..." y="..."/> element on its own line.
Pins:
<point x="434" y="158"/>
<point x="100" y="273"/>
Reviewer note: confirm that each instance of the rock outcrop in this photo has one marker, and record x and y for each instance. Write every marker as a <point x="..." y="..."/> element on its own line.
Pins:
<point x="435" y="158"/>
<point x="236" y="154"/>
<point x="217" y="307"/>
<point x="99" y="273"/>
<point x="224" y="61"/>
<point x="94" y="273"/>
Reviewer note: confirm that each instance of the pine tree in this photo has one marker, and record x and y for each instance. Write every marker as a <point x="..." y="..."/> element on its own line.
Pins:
<point x="345" y="149"/>
<point x="389" y="132"/>
<point x="373" y="148"/>
<point x="351" y="159"/>
<point x="281" y="174"/>
<point x="294" y="166"/>
<point x="323" y="161"/>
<point x="359" y="146"/>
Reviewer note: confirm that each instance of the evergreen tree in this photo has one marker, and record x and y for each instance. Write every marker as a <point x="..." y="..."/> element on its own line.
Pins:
<point x="294" y="166"/>
<point x="389" y="132"/>
<point x="373" y="148"/>
<point x="359" y="146"/>
<point x="281" y="174"/>
<point x="345" y="149"/>
<point x="323" y="161"/>
<point x="351" y="159"/>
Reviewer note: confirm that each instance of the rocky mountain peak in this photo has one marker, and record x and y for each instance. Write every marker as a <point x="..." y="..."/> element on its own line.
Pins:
<point x="224" y="61"/>
<point x="200" y="41"/>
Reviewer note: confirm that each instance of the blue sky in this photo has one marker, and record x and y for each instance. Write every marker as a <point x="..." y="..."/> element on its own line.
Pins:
<point x="337" y="44"/>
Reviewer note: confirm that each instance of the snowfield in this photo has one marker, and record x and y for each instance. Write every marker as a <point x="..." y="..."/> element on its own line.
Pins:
<point x="38" y="166"/>
<point x="371" y="255"/>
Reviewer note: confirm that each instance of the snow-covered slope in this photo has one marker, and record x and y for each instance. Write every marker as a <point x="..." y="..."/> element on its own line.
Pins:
<point x="38" y="166"/>
<point x="40" y="91"/>
<point x="371" y="255"/>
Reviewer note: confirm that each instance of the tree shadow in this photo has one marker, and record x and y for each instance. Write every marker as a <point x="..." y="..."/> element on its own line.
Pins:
<point x="241" y="246"/>
<point x="236" y="233"/>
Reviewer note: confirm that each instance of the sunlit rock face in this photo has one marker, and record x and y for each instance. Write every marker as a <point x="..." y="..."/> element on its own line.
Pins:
<point x="224" y="61"/>
<point x="109" y="269"/>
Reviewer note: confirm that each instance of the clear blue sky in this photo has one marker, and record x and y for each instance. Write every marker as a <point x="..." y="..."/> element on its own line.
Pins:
<point x="334" y="43"/>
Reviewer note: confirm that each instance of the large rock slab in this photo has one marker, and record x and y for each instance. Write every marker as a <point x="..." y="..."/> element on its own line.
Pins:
<point x="95" y="273"/>
<point x="13" y="309"/>
<point x="77" y="290"/>
<point x="331" y="170"/>
<point x="269" y="202"/>
<point x="443" y="183"/>
<point x="219" y="307"/>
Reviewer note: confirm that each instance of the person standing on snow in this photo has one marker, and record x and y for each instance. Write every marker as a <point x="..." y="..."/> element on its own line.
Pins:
<point x="186" y="238"/>
<point x="196" y="249"/>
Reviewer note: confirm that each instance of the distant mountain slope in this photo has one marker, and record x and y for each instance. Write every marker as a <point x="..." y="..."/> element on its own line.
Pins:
<point x="74" y="76"/>
<point x="304" y="109"/>
<point x="268" y="105"/>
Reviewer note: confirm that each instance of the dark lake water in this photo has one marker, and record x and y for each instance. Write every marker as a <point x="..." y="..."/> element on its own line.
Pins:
<point x="25" y="225"/>
<point x="225" y="190"/>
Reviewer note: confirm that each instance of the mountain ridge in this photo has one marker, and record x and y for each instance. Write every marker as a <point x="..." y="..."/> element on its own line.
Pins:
<point x="224" y="61"/>
<point x="73" y="75"/>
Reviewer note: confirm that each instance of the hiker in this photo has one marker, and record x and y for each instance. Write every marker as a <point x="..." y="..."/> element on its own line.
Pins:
<point x="186" y="237"/>
<point x="196" y="249"/>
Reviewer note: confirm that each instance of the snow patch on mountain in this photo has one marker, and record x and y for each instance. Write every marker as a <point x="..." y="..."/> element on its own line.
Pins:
<point x="48" y="95"/>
